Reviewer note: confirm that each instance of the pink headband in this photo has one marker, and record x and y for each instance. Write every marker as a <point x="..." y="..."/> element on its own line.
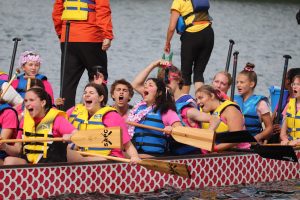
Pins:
<point x="29" y="56"/>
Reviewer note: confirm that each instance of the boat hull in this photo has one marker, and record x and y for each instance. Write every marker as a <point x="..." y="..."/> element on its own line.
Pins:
<point x="119" y="178"/>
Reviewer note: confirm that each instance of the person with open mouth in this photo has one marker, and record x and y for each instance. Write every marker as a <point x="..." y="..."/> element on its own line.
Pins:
<point x="95" y="114"/>
<point x="255" y="108"/>
<point x="40" y="121"/>
<point x="156" y="109"/>
<point x="290" y="130"/>
<point x="186" y="108"/>
<point x="210" y="101"/>
<point x="121" y="92"/>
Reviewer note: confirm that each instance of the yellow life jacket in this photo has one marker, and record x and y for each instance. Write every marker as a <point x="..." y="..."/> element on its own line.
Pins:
<point x="36" y="150"/>
<point x="1" y="73"/>
<point x="293" y="119"/>
<point x="222" y="126"/>
<point x="77" y="9"/>
<point x="80" y="119"/>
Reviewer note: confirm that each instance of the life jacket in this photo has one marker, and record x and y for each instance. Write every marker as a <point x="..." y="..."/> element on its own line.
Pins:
<point x="80" y="120"/>
<point x="77" y="10"/>
<point x="293" y="119"/>
<point x="200" y="12"/>
<point x="175" y="147"/>
<point x="21" y="88"/>
<point x="43" y="152"/>
<point x="187" y="98"/>
<point x="150" y="141"/>
<point x="222" y="126"/>
<point x="249" y="110"/>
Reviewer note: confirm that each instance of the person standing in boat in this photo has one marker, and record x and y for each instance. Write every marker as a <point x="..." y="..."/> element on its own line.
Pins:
<point x="89" y="39"/>
<point x="40" y="121"/>
<point x="8" y="127"/>
<point x="121" y="92"/>
<point x="30" y="63"/>
<point x="210" y="101"/>
<point x="197" y="38"/>
<point x="254" y="107"/>
<point x="94" y="114"/>
<point x="290" y="131"/>
<point x="222" y="81"/>
<point x="156" y="109"/>
<point x="186" y="109"/>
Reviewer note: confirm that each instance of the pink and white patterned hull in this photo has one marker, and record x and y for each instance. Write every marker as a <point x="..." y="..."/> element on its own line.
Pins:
<point x="120" y="178"/>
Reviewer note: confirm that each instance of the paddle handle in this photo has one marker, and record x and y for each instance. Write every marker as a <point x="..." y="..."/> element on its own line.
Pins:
<point x="9" y="83"/>
<point x="279" y="110"/>
<point x="12" y="62"/>
<point x="32" y="140"/>
<point x="168" y="132"/>
<point x="235" y="58"/>
<point x="107" y="157"/>
<point x="231" y="43"/>
<point x="278" y="144"/>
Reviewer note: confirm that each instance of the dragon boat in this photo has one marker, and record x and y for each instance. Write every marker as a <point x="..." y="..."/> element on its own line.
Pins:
<point x="216" y="169"/>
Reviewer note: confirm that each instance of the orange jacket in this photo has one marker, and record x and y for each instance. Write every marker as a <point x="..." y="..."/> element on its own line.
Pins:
<point x="97" y="28"/>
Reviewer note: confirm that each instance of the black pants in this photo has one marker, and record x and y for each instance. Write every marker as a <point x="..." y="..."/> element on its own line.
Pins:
<point x="195" y="51"/>
<point x="80" y="56"/>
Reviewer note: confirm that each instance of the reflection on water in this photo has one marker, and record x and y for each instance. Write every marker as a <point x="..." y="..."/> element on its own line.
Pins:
<point x="289" y="189"/>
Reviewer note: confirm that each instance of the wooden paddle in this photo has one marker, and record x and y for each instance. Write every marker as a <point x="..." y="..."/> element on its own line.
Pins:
<point x="101" y="138"/>
<point x="201" y="138"/>
<point x="152" y="164"/>
<point x="276" y="151"/>
<point x="9" y="83"/>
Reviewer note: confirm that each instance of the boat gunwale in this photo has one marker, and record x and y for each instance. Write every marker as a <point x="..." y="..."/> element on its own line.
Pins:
<point x="237" y="152"/>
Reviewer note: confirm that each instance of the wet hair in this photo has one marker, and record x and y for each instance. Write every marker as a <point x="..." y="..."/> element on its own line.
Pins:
<point x="122" y="82"/>
<point x="100" y="90"/>
<point x="173" y="72"/>
<point x="291" y="73"/>
<point x="228" y="75"/>
<point x="37" y="83"/>
<point x="163" y="100"/>
<point x="210" y="90"/>
<point x="250" y="73"/>
<point x="43" y="95"/>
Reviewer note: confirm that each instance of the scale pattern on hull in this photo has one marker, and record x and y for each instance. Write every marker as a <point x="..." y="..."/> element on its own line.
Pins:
<point x="119" y="178"/>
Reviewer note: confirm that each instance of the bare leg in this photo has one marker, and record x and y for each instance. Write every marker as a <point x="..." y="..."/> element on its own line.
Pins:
<point x="74" y="156"/>
<point x="198" y="85"/>
<point x="14" y="161"/>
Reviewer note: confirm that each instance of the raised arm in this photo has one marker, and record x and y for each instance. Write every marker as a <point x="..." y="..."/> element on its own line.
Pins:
<point x="138" y="82"/>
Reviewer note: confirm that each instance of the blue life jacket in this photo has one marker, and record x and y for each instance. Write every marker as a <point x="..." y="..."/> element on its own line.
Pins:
<point x="198" y="6"/>
<point x="21" y="88"/>
<point x="150" y="141"/>
<point x="187" y="98"/>
<point x="248" y="108"/>
<point x="177" y="148"/>
<point x="1" y="83"/>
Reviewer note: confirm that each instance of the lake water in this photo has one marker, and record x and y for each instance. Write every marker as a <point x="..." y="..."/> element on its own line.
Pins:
<point x="263" y="31"/>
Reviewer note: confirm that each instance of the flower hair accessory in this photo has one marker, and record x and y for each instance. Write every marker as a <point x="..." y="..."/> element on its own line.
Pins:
<point x="137" y="117"/>
<point x="29" y="56"/>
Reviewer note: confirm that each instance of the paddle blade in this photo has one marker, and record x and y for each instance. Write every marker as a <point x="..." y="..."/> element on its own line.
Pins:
<point x="235" y="137"/>
<point x="166" y="167"/>
<point x="201" y="138"/>
<point x="279" y="152"/>
<point x="102" y="138"/>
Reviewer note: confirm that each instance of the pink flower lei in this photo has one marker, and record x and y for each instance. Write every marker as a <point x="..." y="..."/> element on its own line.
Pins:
<point x="137" y="117"/>
<point x="27" y="56"/>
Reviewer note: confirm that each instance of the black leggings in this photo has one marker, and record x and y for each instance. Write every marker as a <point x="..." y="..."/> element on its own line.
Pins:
<point x="80" y="56"/>
<point x="195" y="50"/>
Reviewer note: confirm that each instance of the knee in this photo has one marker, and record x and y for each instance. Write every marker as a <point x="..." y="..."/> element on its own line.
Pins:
<point x="14" y="161"/>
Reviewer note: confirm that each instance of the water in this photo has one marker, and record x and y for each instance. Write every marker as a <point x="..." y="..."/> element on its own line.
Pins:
<point x="263" y="31"/>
